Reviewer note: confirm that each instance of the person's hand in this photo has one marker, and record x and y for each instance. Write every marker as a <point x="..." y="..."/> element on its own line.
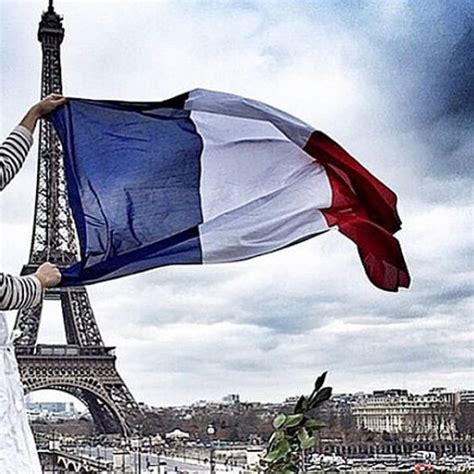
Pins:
<point x="48" y="104"/>
<point x="48" y="275"/>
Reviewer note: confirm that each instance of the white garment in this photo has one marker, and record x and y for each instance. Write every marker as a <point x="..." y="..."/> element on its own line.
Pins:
<point x="18" y="453"/>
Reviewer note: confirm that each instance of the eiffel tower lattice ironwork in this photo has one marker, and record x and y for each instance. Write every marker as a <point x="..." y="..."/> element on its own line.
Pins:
<point x="84" y="366"/>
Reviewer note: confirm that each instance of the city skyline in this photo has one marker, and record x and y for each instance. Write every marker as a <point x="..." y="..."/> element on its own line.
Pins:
<point x="66" y="398"/>
<point x="374" y="75"/>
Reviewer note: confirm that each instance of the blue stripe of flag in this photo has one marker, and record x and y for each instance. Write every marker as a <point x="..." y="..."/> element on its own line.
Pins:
<point x="136" y="191"/>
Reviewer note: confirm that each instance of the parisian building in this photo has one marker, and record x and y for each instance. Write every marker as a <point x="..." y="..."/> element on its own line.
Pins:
<point x="398" y="412"/>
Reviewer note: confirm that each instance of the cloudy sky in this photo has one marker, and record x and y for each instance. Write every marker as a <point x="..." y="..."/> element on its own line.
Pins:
<point x="390" y="80"/>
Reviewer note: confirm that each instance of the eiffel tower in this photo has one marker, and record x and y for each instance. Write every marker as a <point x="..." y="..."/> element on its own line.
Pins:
<point x="84" y="367"/>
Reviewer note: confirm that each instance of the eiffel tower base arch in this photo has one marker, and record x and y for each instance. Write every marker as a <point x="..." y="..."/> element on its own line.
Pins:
<point x="93" y="380"/>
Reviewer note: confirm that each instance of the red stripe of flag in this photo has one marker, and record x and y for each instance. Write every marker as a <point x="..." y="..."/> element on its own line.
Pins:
<point x="364" y="210"/>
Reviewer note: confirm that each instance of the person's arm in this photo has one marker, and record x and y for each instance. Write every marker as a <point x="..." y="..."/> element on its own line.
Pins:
<point x="19" y="292"/>
<point x="24" y="292"/>
<point x="14" y="149"/>
<point x="13" y="152"/>
<point x="27" y="291"/>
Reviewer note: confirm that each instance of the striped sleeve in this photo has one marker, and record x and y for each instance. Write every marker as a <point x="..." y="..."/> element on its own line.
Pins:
<point x="19" y="292"/>
<point x="13" y="152"/>
<point x="16" y="292"/>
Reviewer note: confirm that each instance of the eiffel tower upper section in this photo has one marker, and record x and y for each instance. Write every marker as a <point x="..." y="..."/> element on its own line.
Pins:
<point x="84" y="366"/>
<point x="54" y="237"/>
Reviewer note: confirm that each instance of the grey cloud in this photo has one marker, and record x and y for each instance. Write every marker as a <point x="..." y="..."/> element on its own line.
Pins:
<point x="386" y="79"/>
<point x="430" y="72"/>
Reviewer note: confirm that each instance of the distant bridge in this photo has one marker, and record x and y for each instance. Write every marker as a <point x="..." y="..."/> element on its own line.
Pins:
<point x="63" y="462"/>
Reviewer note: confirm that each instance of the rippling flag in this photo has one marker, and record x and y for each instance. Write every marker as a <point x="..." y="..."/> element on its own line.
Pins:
<point x="209" y="177"/>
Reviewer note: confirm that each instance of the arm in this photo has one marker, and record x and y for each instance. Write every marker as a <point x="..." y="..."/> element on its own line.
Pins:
<point x="13" y="152"/>
<point x="19" y="292"/>
<point x="27" y="291"/>
<point x="14" y="149"/>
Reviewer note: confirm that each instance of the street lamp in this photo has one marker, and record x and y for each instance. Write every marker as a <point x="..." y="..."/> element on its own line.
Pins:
<point x="123" y="444"/>
<point x="53" y="446"/>
<point x="136" y="445"/>
<point x="211" y="431"/>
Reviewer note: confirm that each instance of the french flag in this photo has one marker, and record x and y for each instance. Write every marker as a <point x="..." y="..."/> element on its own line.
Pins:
<point x="209" y="177"/>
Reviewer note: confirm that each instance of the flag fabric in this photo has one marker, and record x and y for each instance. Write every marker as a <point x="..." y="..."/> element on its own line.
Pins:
<point x="209" y="177"/>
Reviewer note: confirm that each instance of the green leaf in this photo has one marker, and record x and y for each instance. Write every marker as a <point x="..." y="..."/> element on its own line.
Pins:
<point x="302" y="435"/>
<point x="314" y="425"/>
<point x="279" y="420"/>
<point x="276" y="435"/>
<point x="323" y="395"/>
<point x="293" y="420"/>
<point x="305" y="440"/>
<point x="300" y="404"/>
<point x="320" y="381"/>
<point x="284" y="447"/>
<point x="271" y="456"/>
<point x="308" y="443"/>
